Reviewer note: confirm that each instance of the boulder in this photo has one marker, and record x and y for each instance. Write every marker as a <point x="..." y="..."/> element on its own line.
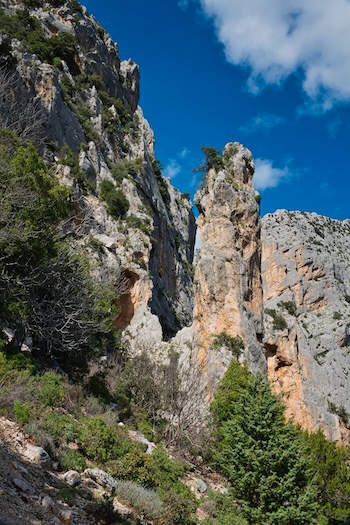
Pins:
<point x="37" y="455"/>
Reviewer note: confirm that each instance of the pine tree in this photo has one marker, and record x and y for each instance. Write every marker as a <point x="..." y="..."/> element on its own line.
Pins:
<point x="331" y="467"/>
<point x="263" y="457"/>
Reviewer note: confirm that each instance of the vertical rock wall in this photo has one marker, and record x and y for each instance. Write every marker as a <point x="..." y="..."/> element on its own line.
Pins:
<point x="228" y="292"/>
<point x="306" y="284"/>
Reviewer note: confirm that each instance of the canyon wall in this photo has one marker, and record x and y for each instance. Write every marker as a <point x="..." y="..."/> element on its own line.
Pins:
<point x="306" y="286"/>
<point x="88" y="103"/>
<point x="228" y="292"/>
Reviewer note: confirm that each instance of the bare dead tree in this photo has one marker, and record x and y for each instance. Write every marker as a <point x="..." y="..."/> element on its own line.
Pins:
<point x="19" y="111"/>
<point x="170" y="391"/>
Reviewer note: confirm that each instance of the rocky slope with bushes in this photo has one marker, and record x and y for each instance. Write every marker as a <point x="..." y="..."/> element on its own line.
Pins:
<point x="133" y="383"/>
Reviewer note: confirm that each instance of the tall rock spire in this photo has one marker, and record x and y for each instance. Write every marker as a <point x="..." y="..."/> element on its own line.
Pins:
<point x="228" y="292"/>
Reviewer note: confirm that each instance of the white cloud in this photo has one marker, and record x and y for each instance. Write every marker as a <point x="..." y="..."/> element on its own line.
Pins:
<point x="266" y="176"/>
<point x="276" y="38"/>
<point x="174" y="166"/>
<point x="172" y="169"/>
<point x="262" y="122"/>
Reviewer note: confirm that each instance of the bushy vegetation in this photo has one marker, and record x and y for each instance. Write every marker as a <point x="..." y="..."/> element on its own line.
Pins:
<point x="152" y="479"/>
<point x="212" y="159"/>
<point x="290" y="306"/>
<point x="115" y="199"/>
<point x="278" y="475"/>
<point x="28" y="30"/>
<point x="145" y="501"/>
<point x="162" y="185"/>
<point x="233" y="344"/>
<point x="279" y="322"/>
<point x="46" y="289"/>
<point x="125" y="168"/>
<point x="76" y="94"/>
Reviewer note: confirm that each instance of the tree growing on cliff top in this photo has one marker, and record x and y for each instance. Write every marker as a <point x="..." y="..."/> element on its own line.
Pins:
<point x="263" y="457"/>
<point x="212" y="159"/>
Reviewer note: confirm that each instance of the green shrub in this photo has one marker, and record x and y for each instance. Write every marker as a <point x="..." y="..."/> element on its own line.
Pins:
<point x="234" y="382"/>
<point x="99" y="442"/>
<point x="263" y="458"/>
<point x="97" y="386"/>
<point x="51" y="391"/>
<point x="109" y="121"/>
<point x="330" y="467"/>
<point x="22" y="412"/>
<point x="223" y="510"/>
<point x="32" y="4"/>
<point x="138" y="224"/>
<point x="108" y="100"/>
<point x="212" y="159"/>
<point x="162" y="185"/>
<point x="68" y="158"/>
<point x="290" y="306"/>
<point x="340" y="412"/>
<point x="116" y="201"/>
<point x="67" y="494"/>
<point x="60" y="426"/>
<point x="135" y="465"/>
<point x="28" y="30"/>
<point x="279" y="322"/>
<point x="76" y="6"/>
<point x="57" y="3"/>
<point x="179" y="508"/>
<point x="169" y="470"/>
<point x="73" y="460"/>
<point x="144" y="501"/>
<point x="337" y="316"/>
<point x="17" y="361"/>
<point x="234" y="344"/>
<point x="124" y="168"/>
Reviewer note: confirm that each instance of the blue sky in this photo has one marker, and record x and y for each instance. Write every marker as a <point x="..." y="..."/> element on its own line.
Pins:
<point x="273" y="75"/>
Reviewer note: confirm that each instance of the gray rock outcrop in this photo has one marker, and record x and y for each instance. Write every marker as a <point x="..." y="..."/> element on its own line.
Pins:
<point x="306" y="286"/>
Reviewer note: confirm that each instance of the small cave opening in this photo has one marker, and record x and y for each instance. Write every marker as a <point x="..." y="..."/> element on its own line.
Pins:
<point x="126" y="305"/>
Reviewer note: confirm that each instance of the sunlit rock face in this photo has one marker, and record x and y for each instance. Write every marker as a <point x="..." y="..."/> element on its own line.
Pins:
<point x="306" y="286"/>
<point x="228" y="292"/>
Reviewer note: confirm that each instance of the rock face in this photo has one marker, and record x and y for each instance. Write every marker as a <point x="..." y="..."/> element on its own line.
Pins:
<point x="228" y="292"/>
<point x="306" y="285"/>
<point x="90" y="105"/>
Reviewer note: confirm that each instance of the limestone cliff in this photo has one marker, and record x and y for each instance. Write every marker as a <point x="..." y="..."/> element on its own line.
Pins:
<point x="89" y="99"/>
<point x="306" y="286"/>
<point x="228" y="293"/>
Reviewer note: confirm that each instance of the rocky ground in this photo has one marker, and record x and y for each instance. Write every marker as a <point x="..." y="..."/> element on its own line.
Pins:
<point x="32" y="492"/>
